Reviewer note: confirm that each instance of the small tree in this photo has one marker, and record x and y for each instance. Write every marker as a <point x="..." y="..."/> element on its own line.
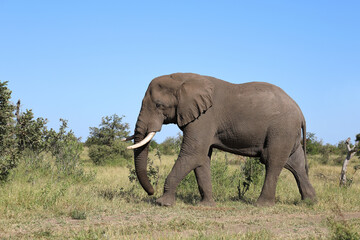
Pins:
<point x="8" y="150"/>
<point x="110" y="129"/>
<point x="313" y="145"/>
<point x="171" y="145"/>
<point x="66" y="148"/>
<point x="105" y="144"/>
<point x="31" y="133"/>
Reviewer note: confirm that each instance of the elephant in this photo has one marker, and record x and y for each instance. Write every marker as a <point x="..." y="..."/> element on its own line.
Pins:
<point x="254" y="119"/>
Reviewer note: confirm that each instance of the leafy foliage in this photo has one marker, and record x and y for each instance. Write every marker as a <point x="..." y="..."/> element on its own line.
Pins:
<point x="30" y="133"/>
<point x="252" y="171"/>
<point x="324" y="151"/>
<point x="66" y="149"/>
<point x="110" y="129"/>
<point x="340" y="228"/>
<point x="153" y="145"/>
<point x="357" y="139"/>
<point x="313" y="145"/>
<point x="25" y="139"/>
<point x="8" y="150"/>
<point x="152" y="173"/>
<point x="105" y="146"/>
<point x="224" y="181"/>
<point x="115" y="154"/>
<point x="171" y="145"/>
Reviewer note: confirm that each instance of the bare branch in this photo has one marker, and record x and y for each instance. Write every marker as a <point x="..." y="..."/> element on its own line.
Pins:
<point x="351" y="152"/>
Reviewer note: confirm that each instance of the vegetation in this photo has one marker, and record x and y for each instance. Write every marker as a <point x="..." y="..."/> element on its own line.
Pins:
<point x="171" y="145"/>
<point x="105" y="145"/>
<point x="27" y="142"/>
<point x="324" y="153"/>
<point x="53" y="189"/>
<point x="35" y="203"/>
<point x="8" y="150"/>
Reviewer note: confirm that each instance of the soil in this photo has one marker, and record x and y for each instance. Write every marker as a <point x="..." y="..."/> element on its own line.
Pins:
<point x="208" y="220"/>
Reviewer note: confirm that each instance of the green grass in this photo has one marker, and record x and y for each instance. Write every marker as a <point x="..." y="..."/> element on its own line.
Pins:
<point x="38" y="204"/>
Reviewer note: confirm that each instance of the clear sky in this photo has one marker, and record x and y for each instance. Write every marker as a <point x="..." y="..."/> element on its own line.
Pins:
<point x="82" y="60"/>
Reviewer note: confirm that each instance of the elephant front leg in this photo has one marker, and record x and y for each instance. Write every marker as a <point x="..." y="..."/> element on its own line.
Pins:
<point x="181" y="168"/>
<point x="203" y="177"/>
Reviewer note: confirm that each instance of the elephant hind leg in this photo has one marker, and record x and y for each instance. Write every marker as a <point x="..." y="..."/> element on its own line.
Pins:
<point x="275" y="157"/>
<point x="296" y="165"/>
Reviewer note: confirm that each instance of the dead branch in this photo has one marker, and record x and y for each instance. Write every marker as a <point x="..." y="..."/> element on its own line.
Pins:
<point x="351" y="152"/>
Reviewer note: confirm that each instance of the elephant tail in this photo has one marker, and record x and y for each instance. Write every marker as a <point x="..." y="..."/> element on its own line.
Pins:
<point x="303" y="127"/>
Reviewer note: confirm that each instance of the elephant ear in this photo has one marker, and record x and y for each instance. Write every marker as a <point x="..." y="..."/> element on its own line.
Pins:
<point x="195" y="98"/>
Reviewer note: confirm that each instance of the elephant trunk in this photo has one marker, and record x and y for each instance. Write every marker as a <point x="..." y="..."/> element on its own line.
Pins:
<point x="140" y="157"/>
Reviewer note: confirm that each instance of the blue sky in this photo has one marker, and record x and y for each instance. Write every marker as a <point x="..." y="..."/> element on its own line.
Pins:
<point x="82" y="60"/>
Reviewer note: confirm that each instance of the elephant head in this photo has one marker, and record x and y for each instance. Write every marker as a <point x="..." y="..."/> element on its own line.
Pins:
<point x="177" y="98"/>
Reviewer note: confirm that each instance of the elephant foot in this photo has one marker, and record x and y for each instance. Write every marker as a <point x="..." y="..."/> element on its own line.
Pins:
<point x="166" y="201"/>
<point x="207" y="203"/>
<point x="264" y="203"/>
<point x="309" y="196"/>
<point x="310" y="200"/>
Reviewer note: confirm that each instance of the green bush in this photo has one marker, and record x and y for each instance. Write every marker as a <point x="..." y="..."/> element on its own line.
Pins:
<point x="31" y="133"/>
<point x="171" y="145"/>
<point x="226" y="184"/>
<point x="105" y="146"/>
<point x="115" y="154"/>
<point x="62" y="155"/>
<point x="252" y="173"/>
<point x="223" y="180"/>
<point x="8" y="143"/>
<point x="23" y="138"/>
<point x="153" y="145"/>
<point x="342" y="230"/>
<point x="152" y="173"/>
<point x="313" y="145"/>
<point x="110" y="129"/>
<point x="78" y="214"/>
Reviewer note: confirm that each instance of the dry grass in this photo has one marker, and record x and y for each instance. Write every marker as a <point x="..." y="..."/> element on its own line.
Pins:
<point x="33" y="205"/>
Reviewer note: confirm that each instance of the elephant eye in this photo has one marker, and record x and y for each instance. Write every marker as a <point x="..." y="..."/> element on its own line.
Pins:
<point x="158" y="105"/>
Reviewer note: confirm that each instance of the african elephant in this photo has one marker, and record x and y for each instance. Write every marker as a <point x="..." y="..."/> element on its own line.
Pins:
<point x="252" y="119"/>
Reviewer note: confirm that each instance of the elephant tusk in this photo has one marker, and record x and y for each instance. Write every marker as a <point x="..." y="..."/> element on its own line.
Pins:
<point x="143" y="142"/>
<point x="128" y="138"/>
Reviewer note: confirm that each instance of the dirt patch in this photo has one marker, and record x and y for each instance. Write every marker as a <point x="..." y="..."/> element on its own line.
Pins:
<point x="187" y="223"/>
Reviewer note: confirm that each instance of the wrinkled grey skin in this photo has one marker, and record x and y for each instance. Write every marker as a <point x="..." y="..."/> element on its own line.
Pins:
<point x="251" y="119"/>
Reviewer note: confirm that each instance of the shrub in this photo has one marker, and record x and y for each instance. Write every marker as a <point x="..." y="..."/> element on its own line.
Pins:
<point x="152" y="173"/>
<point x="252" y="173"/>
<point x="7" y="162"/>
<point x="115" y="154"/>
<point x="110" y="129"/>
<point x="8" y="150"/>
<point x="31" y="133"/>
<point x="153" y="145"/>
<point x="105" y="146"/>
<point x="224" y="181"/>
<point x="78" y="214"/>
<point x="313" y="145"/>
<point x="25" y="140"/>
<point x="341" y="229"/>
<point x="171" y="145"/>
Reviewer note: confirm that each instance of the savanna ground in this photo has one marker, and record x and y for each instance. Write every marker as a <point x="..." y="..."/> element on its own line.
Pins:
<point x="105" y="204"/>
